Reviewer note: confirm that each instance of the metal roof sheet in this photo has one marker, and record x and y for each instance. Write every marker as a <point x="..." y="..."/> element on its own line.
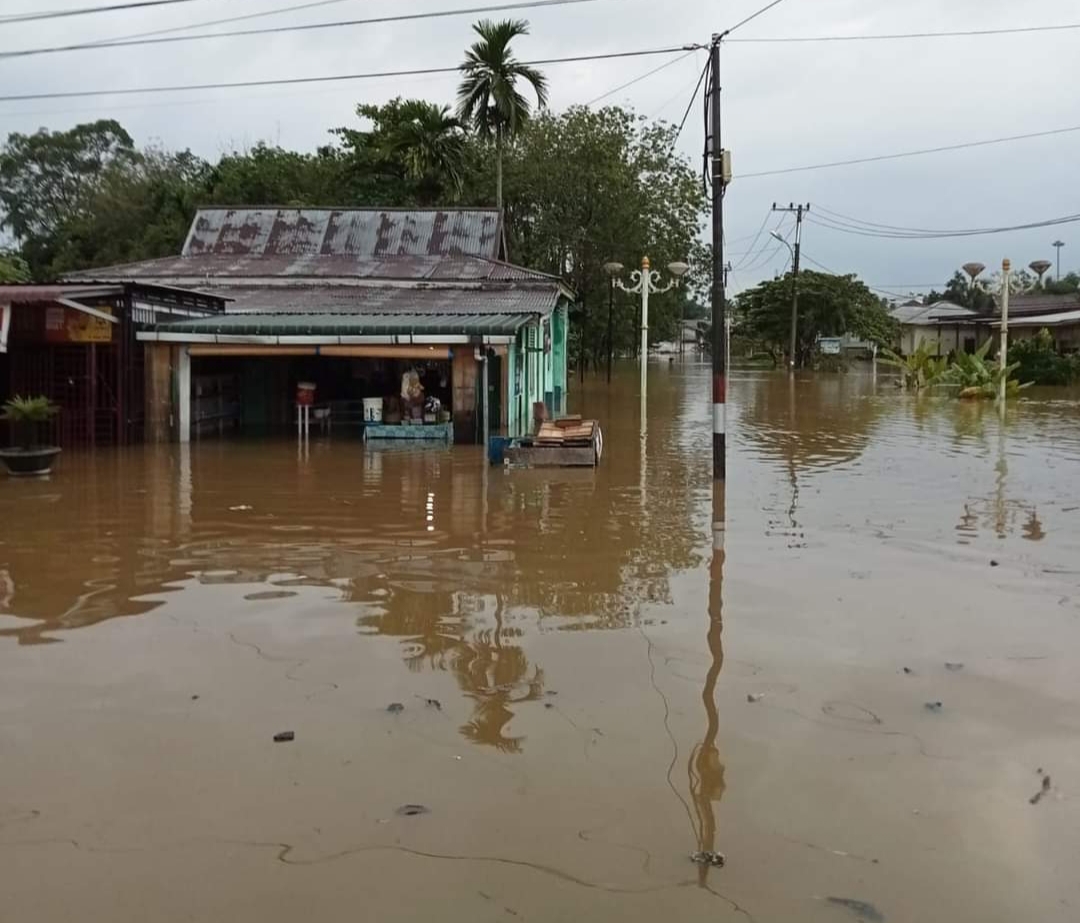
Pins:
<point x="1042" y="320"/>
<point x="364" y="300"/>
<point x="313" y="324"/>
<point x="354" y="232"/>
<point x="40" y="293"/>
<point x="198" y="270"/>
<point x="1041" y="303"/>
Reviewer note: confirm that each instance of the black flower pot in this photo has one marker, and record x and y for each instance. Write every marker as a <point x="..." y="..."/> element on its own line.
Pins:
<point x="29" y="462"/>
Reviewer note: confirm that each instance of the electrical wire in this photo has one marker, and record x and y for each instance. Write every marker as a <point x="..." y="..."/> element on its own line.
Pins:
<point x="326" y="78"/>
<point x="638" y="79"/>
<point x="916" y="153"/>
<point x="689" y="106"/>
<point x="750" y="18"/>
<point x="277" y="11"/>
<point x="111" y="8"/>
<point x="302" y="27"/>
<point x="846" y="228"/>
<point x="757" y="236"/>
<point x="963" y="33"/>
<point x="934" y="235"/>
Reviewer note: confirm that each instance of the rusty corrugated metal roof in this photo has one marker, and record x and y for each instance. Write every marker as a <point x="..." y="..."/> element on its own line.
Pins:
<point x="365" y="300"/>
<point x="33" y="294"/>
<point x="351" y="232"/>
<point x="218" y="268"/>
<point x="317" y="324"/>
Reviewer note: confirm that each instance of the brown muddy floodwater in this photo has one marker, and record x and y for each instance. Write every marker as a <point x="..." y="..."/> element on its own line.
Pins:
<point x="164" y="613"/>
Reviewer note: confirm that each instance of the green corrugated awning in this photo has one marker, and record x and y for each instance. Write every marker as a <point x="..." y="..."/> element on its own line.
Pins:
<point x="306" y="324"/>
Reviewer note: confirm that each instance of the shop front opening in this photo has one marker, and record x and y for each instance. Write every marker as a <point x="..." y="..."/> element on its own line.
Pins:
<point x="262" y="394"/>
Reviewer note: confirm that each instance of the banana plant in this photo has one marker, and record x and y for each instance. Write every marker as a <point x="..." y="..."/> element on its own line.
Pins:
<point x="976" y="378"/>
<point x="919" y="370"/>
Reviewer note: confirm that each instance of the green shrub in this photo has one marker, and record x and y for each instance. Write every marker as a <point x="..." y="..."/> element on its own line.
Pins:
<point x="1038" y="361"/>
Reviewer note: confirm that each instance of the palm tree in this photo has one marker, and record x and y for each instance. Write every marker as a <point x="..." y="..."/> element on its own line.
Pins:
<point x="488" y="97"/>
<point x="431" y="145"/>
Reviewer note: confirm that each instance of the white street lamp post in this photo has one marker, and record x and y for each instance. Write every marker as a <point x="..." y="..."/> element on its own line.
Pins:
<point x="1002" y="357"/>
<point x="646" y="282"/>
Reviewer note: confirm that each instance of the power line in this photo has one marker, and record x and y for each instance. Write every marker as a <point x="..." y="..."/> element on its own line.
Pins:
<point x="689" y="106"/>
<point x="906" y="35"/>
<point x="757" y="236"/>
<point x="845" y="228"/>
<point x="303" y="27"/>
<point x="917" y="153"/>
<point x="327" y="78"/>
<point x="277" y="11"/>
<point x="113" y="7"/>
<point x="638" y="79"/>
<point x="750" y="18"/>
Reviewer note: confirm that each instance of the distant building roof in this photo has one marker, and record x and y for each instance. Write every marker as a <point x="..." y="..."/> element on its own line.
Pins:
<point x="1042" y="320"/>
<point x="925" y="315"/>
<point x="1041" y="303"/>
<point x="357" y="233"/>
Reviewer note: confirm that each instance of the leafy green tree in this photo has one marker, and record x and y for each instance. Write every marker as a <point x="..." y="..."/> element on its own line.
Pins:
<point x="488" y="97"/>
<point x="828" y="306"/>
<point x="1067" y="285"/>
<point x="13" y="267"/>
<point x="48" y="178"/>
<point x="431" y="146"/>
<point x="139" y="210"/>
<point x="271" y="175"/>
<point x="586" y="187"/>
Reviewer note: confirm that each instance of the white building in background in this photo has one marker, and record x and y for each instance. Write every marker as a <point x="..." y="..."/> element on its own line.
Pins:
<point x="945" y="326"/>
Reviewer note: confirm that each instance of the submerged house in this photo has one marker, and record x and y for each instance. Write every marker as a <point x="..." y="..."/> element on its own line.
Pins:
<point x="348" y="300"/>
<point x="76" y="344"/>
<point x="943" y="327"/>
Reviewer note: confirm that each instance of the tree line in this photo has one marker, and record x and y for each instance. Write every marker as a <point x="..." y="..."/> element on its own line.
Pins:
<point x="578" y="188"/>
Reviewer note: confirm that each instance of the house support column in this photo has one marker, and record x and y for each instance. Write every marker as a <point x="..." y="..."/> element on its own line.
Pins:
<point x="158" y="399"/>
<point x="463" y="382"/>
<point x="183" y="393"/>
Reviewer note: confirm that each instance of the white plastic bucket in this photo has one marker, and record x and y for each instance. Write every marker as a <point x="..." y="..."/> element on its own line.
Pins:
<point x="373" y="409"/>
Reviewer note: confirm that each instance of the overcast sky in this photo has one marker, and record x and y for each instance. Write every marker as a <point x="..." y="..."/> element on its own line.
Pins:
<point x="785" y="105"/>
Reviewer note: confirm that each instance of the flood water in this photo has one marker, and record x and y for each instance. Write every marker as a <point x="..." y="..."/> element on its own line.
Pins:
<point x="165" y="612"/>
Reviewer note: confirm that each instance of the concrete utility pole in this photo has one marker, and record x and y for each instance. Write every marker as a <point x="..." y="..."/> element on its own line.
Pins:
<point x="1057" y="245"/>
<point x="798" y="211"/>
<point x="721" y="175"/>
<point x="1002" y="353"/>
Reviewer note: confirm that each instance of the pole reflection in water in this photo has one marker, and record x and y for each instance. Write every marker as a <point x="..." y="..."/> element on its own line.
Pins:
<point x="705" y="769"/>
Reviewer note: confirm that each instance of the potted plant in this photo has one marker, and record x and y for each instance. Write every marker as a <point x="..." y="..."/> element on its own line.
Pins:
<point x="25" y="415"/>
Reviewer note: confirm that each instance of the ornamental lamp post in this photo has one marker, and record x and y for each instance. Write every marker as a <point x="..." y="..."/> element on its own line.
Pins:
<point x="646" y="282"/>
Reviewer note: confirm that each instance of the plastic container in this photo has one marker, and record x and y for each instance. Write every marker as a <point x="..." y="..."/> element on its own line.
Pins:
<point x="373" y="407"/>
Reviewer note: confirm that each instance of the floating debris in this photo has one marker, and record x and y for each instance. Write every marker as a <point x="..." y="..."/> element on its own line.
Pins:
<point x="953" y="666"/>
<point x="548" y="705"/>
<point x="242" y="508"/>
<point x="1037" y="797"/>
<point x="194" y="698"/>
<point x="932" y="706"/>
<point x="908" y="671"/>
<point x="395" y="708"/>
<point x="755" y="696"/>
<point x="868" y="913"/>
<point x="283" y="737"/>
<point x="411" y="810"/>
<point x="715" y="859"/>
<point x="433" y="703"/>
<point x="993" y="563"/>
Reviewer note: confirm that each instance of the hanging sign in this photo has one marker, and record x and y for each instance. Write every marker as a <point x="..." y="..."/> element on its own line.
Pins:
<point x="66" y="325"/>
